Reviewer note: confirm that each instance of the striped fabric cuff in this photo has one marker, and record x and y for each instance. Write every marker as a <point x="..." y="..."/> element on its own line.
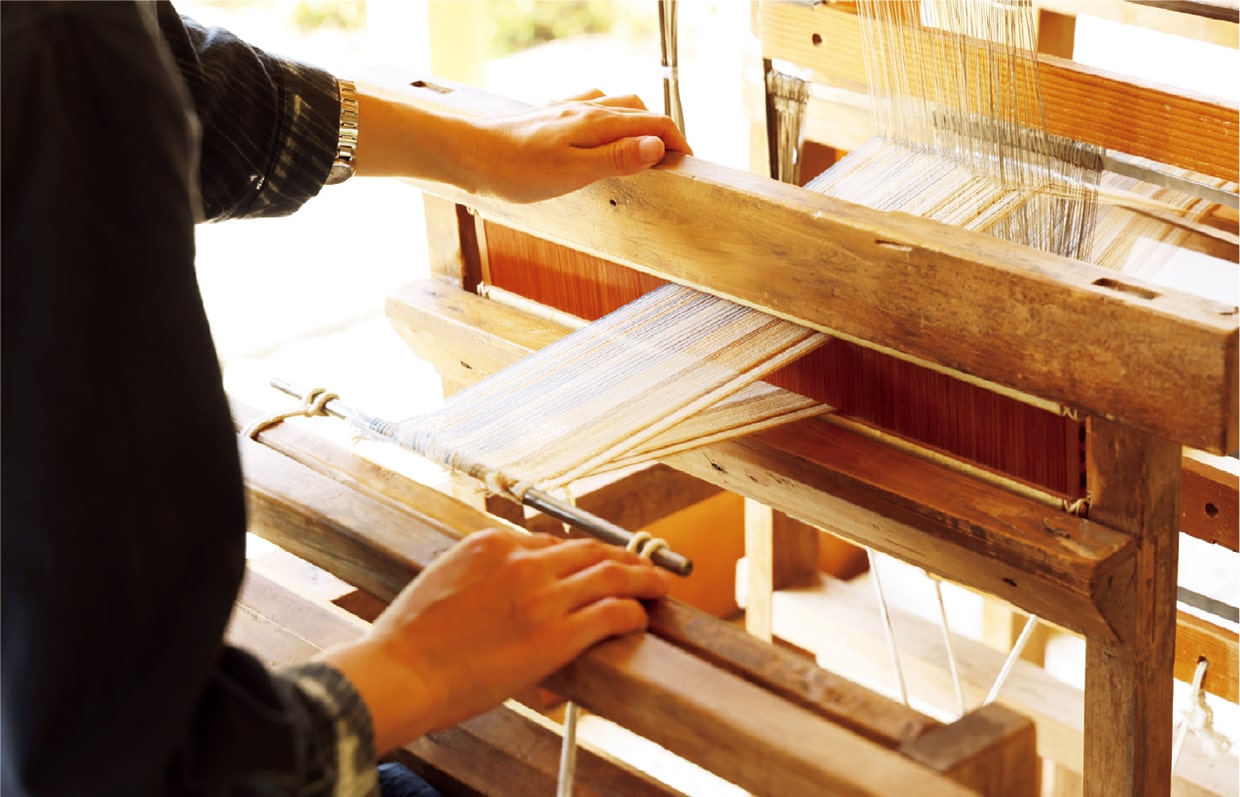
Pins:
<point x="344" y="726"/>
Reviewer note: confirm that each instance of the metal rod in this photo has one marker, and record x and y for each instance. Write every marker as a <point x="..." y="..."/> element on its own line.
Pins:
<point x="576" y="517"/>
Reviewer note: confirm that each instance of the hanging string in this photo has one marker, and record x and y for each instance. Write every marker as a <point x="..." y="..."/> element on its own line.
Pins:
<point x="1013" y="655"/>
<point x="1198" y="717"/>
<point x="888" y="631"/>
<point x="668" y="37"/>
<point x="568" y="753"/>
<point x="644" y="544"/>
<point x="948" y="645"/>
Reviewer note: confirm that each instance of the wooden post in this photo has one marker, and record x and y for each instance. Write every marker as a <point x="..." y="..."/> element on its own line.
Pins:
<point x="1134" y="487"/>
<point x="780" y="552"/>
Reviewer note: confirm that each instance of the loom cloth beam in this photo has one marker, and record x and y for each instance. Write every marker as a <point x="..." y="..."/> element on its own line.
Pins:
<point x="728" y="724"/>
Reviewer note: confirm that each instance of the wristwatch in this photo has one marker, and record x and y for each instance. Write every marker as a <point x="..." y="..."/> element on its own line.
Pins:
<point x="346" y="146"/>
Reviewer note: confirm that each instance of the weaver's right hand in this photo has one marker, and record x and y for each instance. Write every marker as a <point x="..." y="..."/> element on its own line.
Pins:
<point x="497" y="613"/>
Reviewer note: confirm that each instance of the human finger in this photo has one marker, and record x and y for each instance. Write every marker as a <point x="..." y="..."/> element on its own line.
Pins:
<point x="605" y="618"/>
<point x="585" y="96"/>
<point x="622" y="102"/>
<point x="611" y="578"/>
<point x="616" y="127"/>
<point x="570" y="556"/>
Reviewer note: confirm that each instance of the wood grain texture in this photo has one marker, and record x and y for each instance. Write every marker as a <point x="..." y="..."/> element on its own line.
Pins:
<point x="1134" y="481"/>
<point x="718" y="719"/>
<point x="498" y="753"/>
<point x="1032" y="444"/>
<point x="1061" y="330"/>
<point x="1196" y="638"/>
<point x="316" y="464"/>
<point x="1042" y="325"/>
<point x="1045" y="561"/>
<point x="1126" y="115"/>
<point x="993" y="748"/>
<point x="1209" y="500"/>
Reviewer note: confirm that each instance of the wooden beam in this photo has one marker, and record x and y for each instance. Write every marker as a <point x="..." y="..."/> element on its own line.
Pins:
<point x="1081" y="103"/>
<point x="839" y="623"/>
<point x="1046" y="326"/>
<point x="1210" y="499"/>
<point x="1043" y="560"/>
<point x="393" y="501"/>
<point x="1134" y="484"/>
<point x="497" y="753"/>
<point x="1195" y="639"/>
<point x="733" y="727"/>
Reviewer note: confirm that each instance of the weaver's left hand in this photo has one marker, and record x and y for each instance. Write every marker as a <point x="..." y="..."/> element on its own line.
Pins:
<point x="562" y="146"/>
<point x="534" y="154"/>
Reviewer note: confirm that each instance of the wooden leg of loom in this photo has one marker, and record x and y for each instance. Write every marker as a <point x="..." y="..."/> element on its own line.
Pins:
<point x="1134" y="486"/>
<point x="781" y="552"/>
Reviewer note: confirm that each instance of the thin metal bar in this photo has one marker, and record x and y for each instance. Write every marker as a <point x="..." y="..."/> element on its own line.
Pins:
<point x="576" y="517"/>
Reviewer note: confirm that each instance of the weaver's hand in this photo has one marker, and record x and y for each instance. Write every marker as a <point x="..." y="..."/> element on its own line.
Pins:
<point x="562" y="146"/>
<point x="535" y="154"/>
<point x="496" y="614"/>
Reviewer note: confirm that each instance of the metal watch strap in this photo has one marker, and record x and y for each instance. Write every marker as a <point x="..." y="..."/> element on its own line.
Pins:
<point x="346" y="146"/>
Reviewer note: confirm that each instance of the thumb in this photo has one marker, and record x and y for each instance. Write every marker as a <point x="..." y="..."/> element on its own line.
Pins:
<point x="630" y="155"/>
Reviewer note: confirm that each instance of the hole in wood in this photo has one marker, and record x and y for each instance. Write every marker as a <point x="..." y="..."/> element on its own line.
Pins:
<point x="426" y="84"/>
<point x="816" y="39"/>
<point x="611" y="202"/>
<point x="1009" y="582"/>
<point x="1211" y="510"/>
<point x="1122" y="287"/>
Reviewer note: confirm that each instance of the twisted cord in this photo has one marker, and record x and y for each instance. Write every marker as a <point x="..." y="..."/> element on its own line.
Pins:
<point x="313" y="403"/>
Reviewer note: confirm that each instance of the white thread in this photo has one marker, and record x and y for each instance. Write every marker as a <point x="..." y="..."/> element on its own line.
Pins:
<point x="888" y="631"/>
<point x="1013" y="655"/>
<point x="645" y="544"/>
<point x="568" y="753"/>
<point x="1198" y="717"/>
<point x="947" y="644"/>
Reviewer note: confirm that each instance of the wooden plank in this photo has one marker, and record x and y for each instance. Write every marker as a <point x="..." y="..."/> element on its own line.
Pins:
<point x="992" y="748"/>
<point x="736" y="729"/>
<point x="1159" y="17"/>
<point x="1035" y="557"/>
<point x="1134" y="484"/>
<point x="427" y="512"/>
<point x="839" y="622"/>
<point x="782" y="552"/>
<point x="1061" y="330"/>
<point x="1122" y="114"/>
<point x="497" y="753"/>
<point x="1210" y="499"/>
<point x="1195" y="639"/>
<point x="635" y="500"/>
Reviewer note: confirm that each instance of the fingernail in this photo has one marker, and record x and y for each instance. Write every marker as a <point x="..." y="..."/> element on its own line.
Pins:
<point x="650" y="148"/>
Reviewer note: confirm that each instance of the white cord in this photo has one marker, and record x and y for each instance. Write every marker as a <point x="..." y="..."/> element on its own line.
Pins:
<point x="1013" y="655"/>
<point x="947" y="643"/>
<point x="568" y="753"/>
<point x="887" y="629"/>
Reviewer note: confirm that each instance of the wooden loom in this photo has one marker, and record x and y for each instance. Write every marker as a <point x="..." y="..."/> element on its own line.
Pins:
<point x="899" y="285"/>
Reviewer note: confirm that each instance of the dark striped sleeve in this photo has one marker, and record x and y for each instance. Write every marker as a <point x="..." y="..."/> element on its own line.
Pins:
<point x="269" y="124"/>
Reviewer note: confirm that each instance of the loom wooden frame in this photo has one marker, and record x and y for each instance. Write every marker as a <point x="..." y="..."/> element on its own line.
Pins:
<point x="961" y="302"/>
<point x="694" y="684"/>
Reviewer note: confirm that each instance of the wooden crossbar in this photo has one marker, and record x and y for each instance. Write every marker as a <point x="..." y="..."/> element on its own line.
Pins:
<point x="721" y="716"/>
<point x="1125" y="115"/>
